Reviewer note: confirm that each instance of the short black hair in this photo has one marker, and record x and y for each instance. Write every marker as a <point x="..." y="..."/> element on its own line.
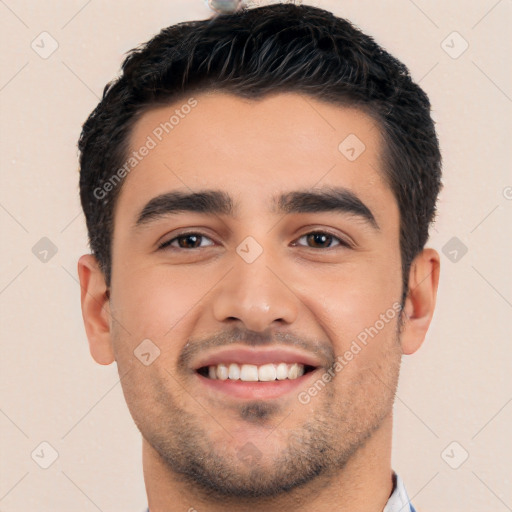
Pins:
<point x="252" y="53"/>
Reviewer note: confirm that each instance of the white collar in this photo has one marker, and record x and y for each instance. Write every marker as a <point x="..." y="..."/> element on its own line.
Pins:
<point x="398" y="501"/>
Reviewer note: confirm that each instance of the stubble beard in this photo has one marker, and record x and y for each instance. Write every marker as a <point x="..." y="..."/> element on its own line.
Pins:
<point x="313" y="452"/>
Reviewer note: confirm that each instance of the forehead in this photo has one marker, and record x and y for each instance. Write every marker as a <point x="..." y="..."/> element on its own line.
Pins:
<point x="253" y="148"/>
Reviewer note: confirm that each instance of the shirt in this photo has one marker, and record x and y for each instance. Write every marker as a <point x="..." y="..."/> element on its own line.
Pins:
<point x="398" y="501"/>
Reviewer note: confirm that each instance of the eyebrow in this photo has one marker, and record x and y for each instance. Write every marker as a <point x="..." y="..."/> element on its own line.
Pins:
<point x="219" y="202"/>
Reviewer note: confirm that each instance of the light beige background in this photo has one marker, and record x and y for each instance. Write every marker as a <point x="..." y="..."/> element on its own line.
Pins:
<point x="457" y="388"/>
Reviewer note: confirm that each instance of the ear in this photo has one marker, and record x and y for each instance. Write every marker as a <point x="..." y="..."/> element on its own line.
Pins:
<point x="421" y="299"/>
<point x="95" y="309"/>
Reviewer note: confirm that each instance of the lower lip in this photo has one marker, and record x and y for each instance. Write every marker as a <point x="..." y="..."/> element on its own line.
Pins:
<point x="256" y="390"/>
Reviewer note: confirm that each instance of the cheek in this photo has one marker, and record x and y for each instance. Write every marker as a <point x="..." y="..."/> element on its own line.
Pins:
<point x="152" y="303"/>
<point x="358" y="309"/>
<point x="353" y="298"/>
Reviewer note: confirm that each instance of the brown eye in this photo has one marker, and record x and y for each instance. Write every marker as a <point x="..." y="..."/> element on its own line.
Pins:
<point x="190" y="240"/>
<point x="322" y="240"/>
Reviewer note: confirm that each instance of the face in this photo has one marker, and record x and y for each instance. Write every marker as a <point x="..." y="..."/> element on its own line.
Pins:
<point x="257" y="283"/>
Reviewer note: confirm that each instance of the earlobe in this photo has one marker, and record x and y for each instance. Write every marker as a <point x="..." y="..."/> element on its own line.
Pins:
<point x="421" y="300"/>
<point x="95" y="309"/>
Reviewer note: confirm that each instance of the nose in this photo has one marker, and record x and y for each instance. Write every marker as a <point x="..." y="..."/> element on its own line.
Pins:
<point x="258" y="294"/>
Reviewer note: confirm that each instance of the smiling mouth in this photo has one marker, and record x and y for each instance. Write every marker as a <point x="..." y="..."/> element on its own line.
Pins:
<point x="269" y="372"/>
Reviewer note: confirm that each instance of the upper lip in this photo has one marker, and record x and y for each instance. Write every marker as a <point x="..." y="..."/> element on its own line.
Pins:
<point x="257" y="356"/>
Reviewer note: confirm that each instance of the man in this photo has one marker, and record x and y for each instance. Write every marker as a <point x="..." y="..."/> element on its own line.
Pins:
<point x="258" y="189"/>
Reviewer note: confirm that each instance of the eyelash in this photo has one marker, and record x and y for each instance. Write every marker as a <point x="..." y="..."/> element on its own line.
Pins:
<point x="167" y="244"/>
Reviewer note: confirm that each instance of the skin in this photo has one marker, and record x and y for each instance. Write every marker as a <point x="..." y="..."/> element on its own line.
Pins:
<point x="324" y="297"/>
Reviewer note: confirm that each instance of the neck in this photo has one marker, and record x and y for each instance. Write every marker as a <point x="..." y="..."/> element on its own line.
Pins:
<point x="364" y="484"/>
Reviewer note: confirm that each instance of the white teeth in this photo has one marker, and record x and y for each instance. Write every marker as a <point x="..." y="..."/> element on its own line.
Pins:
<point x="267" y="372"/>
<point x="222" y="371"/>
<point x="254" y="373"/>
<point x="249" y="373"/>
<point x="234" y="371"/>
<point x="282" y="371"/>
<point x="295" y="371"/>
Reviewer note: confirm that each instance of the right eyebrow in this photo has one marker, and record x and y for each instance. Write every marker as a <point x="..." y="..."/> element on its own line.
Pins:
<point x="208" y="201"/>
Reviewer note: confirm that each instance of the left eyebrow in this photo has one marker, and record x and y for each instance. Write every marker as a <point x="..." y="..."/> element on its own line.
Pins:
<point x="326" y="199"/>
<point x="218" y="202"/>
